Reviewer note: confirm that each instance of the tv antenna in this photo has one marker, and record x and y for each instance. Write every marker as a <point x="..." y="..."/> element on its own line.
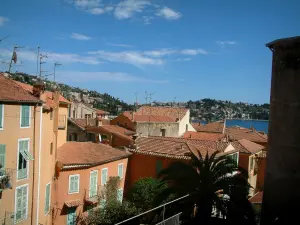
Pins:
<point x="55" y="65"/>
<point x="41" y="62"/>
<point x="2" y="39"/>
<point x="13" y="57"/>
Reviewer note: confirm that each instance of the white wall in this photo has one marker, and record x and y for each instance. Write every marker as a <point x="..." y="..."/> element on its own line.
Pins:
<point x="185" y="121"/>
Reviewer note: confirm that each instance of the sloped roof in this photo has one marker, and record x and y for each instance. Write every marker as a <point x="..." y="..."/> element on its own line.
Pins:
<point x="257" y="198"/>
<point x="88" y="153"/>
<point x="214" y="127"/>
<point x="173" y="113"/>
<point x="101" y="112"/>
<point x="82" y="122"/>
<point x="203" y="136"/>
<point x="247" y="146"/>
<point x="113" y="129"/>
<point x="238" y="133"/>
<point x="11" y="92"/>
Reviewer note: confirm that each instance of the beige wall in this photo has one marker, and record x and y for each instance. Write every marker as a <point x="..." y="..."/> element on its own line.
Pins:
<point x="154" y="129"/>
<point x="80" y="111"/>
<point x="9" y="136"/>
<point x="62" y="133"/>
<point x="183" y="122"/>
<point x="63" y="187"/>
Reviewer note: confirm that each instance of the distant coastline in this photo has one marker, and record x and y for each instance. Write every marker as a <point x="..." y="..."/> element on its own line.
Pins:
<point x="259" y="125"/>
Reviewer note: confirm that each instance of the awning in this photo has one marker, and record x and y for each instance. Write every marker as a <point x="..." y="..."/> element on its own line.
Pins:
<point x="92" y="200"/>
<point x="73" y="203"/>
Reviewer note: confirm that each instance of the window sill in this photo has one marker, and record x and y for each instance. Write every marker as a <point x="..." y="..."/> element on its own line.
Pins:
<point x="24" y="127"/>
<point x="71" y="193"/>
<point x="21" y="220"/>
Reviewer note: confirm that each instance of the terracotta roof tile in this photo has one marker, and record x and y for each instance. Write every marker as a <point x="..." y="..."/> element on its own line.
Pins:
<point x="101" y="112"/>
<point x="105" y="121"/>
<point x="138" y="117"/>
<point x="10" y="91"/>
<point x="214" y="127"/>
<point x="88" y="153"/>
<point x="257" y="198"/>
<point x="73" y="203"/>
<point x="82" y="122"/>
<point x="237" y="133"/>
<point x="114" y="129"/>
<point x="249" y="146"/>
<point x="173" y="113"/>
<point x="203" y="136"/>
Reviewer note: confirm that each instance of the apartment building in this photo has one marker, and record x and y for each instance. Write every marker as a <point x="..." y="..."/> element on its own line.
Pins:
<point x="33" y="124"/>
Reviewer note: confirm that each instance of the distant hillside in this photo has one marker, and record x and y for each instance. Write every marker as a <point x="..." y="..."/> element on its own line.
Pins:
<point x="97" y="100"/>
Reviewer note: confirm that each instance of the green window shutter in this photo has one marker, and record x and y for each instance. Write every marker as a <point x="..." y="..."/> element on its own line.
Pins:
<point x="24" y="205"/>
<point x="2" y="156"/>
<point x="71" y="185"/>
<point x="21" y="203"/>
<point x="25" y="115"/>
<point x="47" y="199"/>
<point x="71" y="217"/>
<point x="120" y="170"/>
<point x="1" y="116"/>
<point x="76" y="183"/>
<point x="120" y="195"/>
<point x="103" y="176"/>
<point x="159" y="166"/>
<point x="93" y="183"/>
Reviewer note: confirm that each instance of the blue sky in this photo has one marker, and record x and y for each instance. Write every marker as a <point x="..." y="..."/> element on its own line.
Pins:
<point x="188" y="49"/>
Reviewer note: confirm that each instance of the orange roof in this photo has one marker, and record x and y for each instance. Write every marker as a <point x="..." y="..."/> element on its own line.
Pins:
<point x="173" y="113"/>
<point x="101" y="112"/>
<point x="88" y="154"/>
<point x="47" y="95"/>
<point x="74" y="203"/>
<point x="257" y="198"/>
<point x="82" y="122"/>
<point x="247" y="146"/>
<point x="177" y="148"/>
<point x="203" y="136"/>
<point x="237" y="133"/>
<point x="11" y="92"/>
<point x="214" y="127"/>
<point x="112" y="129"/>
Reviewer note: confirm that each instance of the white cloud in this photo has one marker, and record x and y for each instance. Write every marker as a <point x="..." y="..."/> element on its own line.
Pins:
<point x="80" y="37"/>
<point x="64" y="58"/>
<point x="76" y="76"/>
<point x="183" y="59"/>
<point x="169" y="14"/>
<point x="120" y="45"/>
<point x="194" y="51"/>
<point x="224" y="43"/>
<point x="97" y="11"/>
<point x="130" y="57"/>
<point x="147" y="19"/>
<point x="3" y="20"/>
<point x="84" y="4"/>
<point x="160" y="53"/>
<point x="126" y="9"/>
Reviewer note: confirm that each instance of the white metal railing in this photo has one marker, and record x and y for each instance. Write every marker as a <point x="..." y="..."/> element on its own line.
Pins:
<point x="173" y="220"/>
<point x="8" y="219"/>
<point x="161" y="206"/>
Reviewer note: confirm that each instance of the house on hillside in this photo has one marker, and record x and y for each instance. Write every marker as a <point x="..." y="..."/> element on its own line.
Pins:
<point x="214" y="127"/>
<point x="156" y="121"/>
<point x="82" y="170"/>
<point x="79" y="110"/>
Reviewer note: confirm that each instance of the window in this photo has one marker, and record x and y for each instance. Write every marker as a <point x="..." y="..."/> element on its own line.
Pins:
<point x="104" y="174"/>
<point x="103" y="137"/>
<point x="21" y="203"/>
<point x="159" y="166"/>
<point x="87" y="116"/>
<point x="120" y="195"/>
<point x="25" y="116"/>
<point x="234" y="157"/>
<point x="120" y="170"/>
<point x="2" y="159"/>
<point x="62" y="122"/>
<point x="93" y="183"/>
<point x="47" y="199"/>
<point x="74" y="184"/>
<point x="51" y="148"/>
<point x="71" y="216"/>
<point x="1" y="116"/>
<point x="51" y="115"/>
<point x="24" y="156"/>
<point x="163" y="132"/>
<point x="186" y="127"/>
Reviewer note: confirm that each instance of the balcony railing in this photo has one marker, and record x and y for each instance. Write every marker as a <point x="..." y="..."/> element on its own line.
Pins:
<point x="173" y="220"/>
<point x="8" y="218"/>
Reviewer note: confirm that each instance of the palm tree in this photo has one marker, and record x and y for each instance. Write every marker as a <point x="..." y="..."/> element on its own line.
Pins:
<point x="209" y="181"/>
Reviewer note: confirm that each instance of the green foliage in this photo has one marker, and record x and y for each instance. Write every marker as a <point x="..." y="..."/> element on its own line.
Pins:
<point x="113" y="211"/>
<point x="144" y="191"/>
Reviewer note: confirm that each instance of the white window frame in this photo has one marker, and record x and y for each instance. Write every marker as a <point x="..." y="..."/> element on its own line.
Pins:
<point x="28" y="162"/>
<point x="16" y="191"/>
<point x="106" y="175"/>
<point x="2" y="119"/>
<point x="74" y="175"/>
<point x="28" y="116"/>
<point x="93" y="171"/>
<point x="238" y="156"/>
<point x="121" y="164"/>
<point x="46" y="213"/>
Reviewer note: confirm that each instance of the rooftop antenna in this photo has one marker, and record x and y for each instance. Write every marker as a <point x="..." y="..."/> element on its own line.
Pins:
<point x="136" y="100"/>
<point x="3" y="38"/>
<point x="150" y="97"/>
<point x="37" y="60"/>
<point x="13" y="57"/>
<point x="146" y="97"/>
<point x="41" y="62"/>
<point x="55" y="65"/>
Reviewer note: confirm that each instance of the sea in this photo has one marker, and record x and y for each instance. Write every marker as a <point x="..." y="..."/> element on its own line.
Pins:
<point x="259" y="125"/>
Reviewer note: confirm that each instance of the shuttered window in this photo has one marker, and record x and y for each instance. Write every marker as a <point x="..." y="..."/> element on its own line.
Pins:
<point x="120" y="170"/>
<point x="25" y="116"/>
<point x="47" y="199"/>
<point x="2" y="158"/>
<point x="23" y="158"/>
<point x="74" y="184"/>
<point x="120" y="195"/>
<point x="93" y="183"/>
<point x="1" y="116"/>
<point x="71" y="216"/>
<point x="234" y="157"/>
<point x="21" y="204"/>
<point x="104" y="174"/>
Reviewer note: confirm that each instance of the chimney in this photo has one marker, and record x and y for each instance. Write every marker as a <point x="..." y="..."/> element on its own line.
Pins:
<point x="38" y="88"/>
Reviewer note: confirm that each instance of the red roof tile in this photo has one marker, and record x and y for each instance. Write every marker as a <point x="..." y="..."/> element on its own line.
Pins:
<point x="173" y="113"/>
<point x="257" y="198"/>
<point x="214" y="127"/>
<point x="88" y="153"/>
<point x="101" y="112"/>
<point x="247" y="146"/>
<point x="10" y="91"/>
<point x="112" y="129"/>
<point x="73" y="203"/>
<point x="237" y="133"/>
<point x="82" y="122"/>
<point x="203" y="136"/>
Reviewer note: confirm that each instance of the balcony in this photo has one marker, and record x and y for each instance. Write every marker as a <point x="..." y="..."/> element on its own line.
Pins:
<point x="5" y="177"/>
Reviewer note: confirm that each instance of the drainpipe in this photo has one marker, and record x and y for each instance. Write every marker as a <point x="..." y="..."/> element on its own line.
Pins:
<point x="39" y="166"/>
